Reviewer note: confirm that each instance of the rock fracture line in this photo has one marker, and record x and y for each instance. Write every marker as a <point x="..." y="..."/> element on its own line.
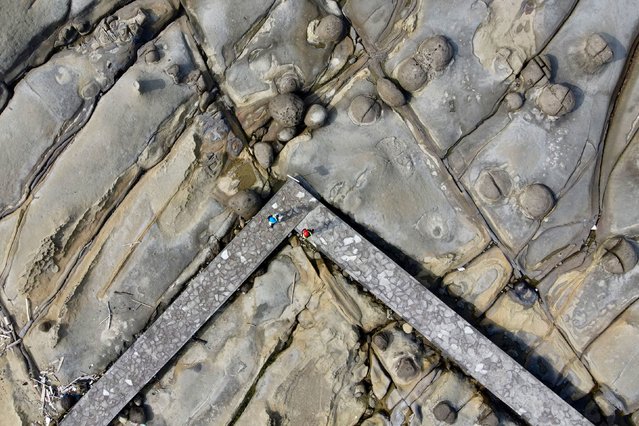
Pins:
<point x="439" y="324"/>
<point x="299" y="210"/>
<point x="203" y="296"/>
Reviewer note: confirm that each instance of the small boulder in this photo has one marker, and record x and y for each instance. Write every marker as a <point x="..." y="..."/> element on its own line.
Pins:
<point x="286" y="134"/>
<point x="137" y="415"/>
<point x="315" y="116"/>
<point x="389" y="93"/>
<point x="287" y="109"/>
<point x="411" y="76"/>
<point x="596" y="53"/>
<point x="536" y="200"/>
<point x="513" y="101"/>
<point x="434" y="53"/>
<point x="556" y="100"/>
<point x="245" y="203"/>
<point x="537" y="72"/>
<point x="620" y="256"/>
<point x="523" y="294"/>
<point x="406" y="369"/>
<point x="444" y="412"/>
<point x="494" y="185"/>
<point x="152" y="55"/>
<point x="382" y="340"/>
<point x="289" y="82"/>
<point x="330" y="29"/>
<point x="263" y="154"/>
<point x="364" y="110"/>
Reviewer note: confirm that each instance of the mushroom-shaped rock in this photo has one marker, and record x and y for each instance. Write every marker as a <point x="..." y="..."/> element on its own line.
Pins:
<point x="536" y="200"/>
<point x="245" y="203"/>
<point x="364" y="110"/>
<point x="494" y="185"/>
<point x="444" y="412"/>
<point x="137" y="415"/>
<point x="287" y="109"/>
<point x="620" y="256"/>
<point x="556" y="100"/>
<point x="523" y="294"/>
<point x="513" y="101"/>
<point x="596" y="52"/>
<point x="315" y="116"/>
<point x="287" y="83"/>
<point x="330" y="29"/>
<point x="434" y="53"/>
<point x="389" y="93"/>
<point x="263" y="154"/>
<point x="411" y="75"/>
<point x="286" y="134"/>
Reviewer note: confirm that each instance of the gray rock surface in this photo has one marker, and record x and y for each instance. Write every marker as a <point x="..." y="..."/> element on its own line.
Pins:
<point x="489" y="147"/>
<point x="558" y="153"/>
<point x="382" y="157"/>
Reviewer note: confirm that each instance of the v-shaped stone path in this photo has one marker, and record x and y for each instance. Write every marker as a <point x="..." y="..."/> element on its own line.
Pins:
<point x="212" y="287"/>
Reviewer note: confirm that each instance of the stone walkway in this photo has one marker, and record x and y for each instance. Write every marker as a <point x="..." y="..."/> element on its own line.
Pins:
<point x="203" y="296"/>
<point x="475" y="354"/>
<point x="207" y="292"/>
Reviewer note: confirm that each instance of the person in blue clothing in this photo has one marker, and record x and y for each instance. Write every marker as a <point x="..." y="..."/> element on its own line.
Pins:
<point x="273" y="219"/>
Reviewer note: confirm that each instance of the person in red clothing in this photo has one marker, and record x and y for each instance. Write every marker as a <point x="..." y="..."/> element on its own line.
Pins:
<point x="306" y="233"/>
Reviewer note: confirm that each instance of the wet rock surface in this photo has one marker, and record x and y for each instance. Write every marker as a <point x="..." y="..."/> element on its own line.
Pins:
<point x="491" y="148"/>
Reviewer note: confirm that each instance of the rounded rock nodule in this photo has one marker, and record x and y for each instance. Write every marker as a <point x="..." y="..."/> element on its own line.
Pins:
<point x="411" y="75"/>
<point x="389" y="93"/>
<point x="287" y="109"/>
<point x="536" y="200"/>
<point x="245" y="203"/>
<point x="494" y="185"/>
<point x="524" y="294"/>
<point x="382" y="340"/>
<point x="435" y="53"/>
<point x="286" y="134"/>
<point x="406" y="369"/>
<point x="315" y="116"/>
<point x="556" y="100"/>
<point x="288" y="83"/>
<point x="364" y="110"/>
<point x="444" y="412"/>
<point x="330" y="29"/>
<point x="234" y="145"/>
<point x="152" y="56"/>
<point x="596" y="53"/>
<point x="490" y="420"/>
<point x="620" y="256"/>
<point x="264" y="154"/>
<point x="137" y="415"/>
<point x="513" y="101"/>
